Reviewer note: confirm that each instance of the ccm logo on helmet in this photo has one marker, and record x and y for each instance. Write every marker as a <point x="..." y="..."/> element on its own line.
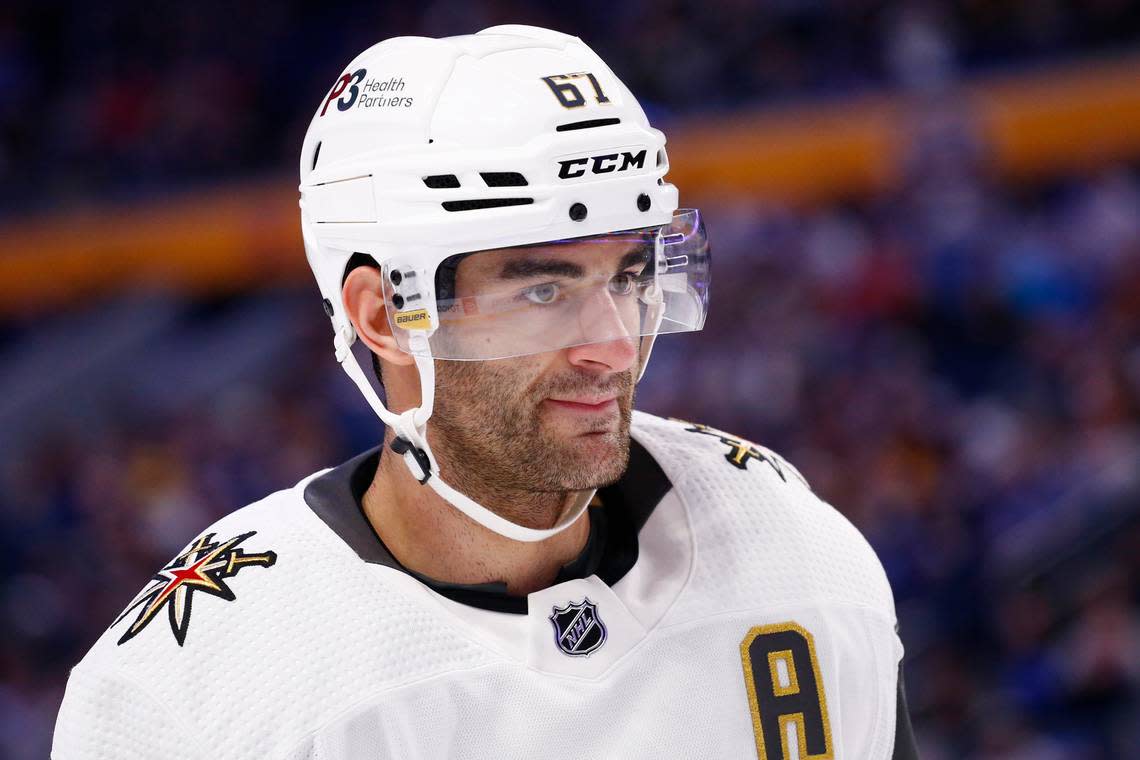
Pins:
<point x="604" y="164"/>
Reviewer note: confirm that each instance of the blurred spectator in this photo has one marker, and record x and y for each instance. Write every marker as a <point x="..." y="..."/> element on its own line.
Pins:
<point x="114" y="99"/>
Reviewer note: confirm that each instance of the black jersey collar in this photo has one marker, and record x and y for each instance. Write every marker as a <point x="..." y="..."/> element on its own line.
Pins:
<point x="611" y="549"/>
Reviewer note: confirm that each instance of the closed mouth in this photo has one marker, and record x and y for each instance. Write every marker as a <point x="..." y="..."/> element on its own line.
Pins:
<point x="585" y="404"/>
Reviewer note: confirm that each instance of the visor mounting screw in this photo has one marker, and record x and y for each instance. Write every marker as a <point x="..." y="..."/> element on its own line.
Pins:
<point x="328" y="307"/>
<point x="578" y="212"/>
<point x="396" y="277"/>
<point x="643" y="202"/>
<point x="398" y="301"/>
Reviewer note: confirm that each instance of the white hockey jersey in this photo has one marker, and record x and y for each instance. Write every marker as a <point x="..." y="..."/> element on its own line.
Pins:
<point x="729" y="613"/>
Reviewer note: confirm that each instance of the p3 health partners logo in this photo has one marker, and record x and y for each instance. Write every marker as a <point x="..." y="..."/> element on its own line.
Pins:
<point x="358" y="89"/>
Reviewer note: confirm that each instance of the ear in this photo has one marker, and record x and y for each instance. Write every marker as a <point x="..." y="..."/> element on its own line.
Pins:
<point x="363" y="294"/>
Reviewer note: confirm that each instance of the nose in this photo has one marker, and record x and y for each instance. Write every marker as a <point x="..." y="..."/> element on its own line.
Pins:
<point x="616" y="348"/>
<point x="610" y="356"/>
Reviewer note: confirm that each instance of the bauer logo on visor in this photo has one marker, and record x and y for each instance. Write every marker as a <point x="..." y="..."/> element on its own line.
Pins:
<point x="538" y="297"/>
<point x="414" y="320"/>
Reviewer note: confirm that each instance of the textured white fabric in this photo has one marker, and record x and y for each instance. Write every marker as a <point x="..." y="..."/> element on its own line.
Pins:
<point x="322" y="656"/>
<point x="104" y="716"/>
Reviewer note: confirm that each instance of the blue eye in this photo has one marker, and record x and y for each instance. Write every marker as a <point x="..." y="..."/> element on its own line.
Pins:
<point x="546" y="293"/>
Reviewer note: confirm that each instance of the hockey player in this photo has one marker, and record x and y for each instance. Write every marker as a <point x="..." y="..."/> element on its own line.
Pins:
<point x="526" y="567"/>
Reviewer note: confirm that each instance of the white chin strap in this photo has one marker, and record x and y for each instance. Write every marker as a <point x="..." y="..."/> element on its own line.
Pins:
<point x="411" y="443"/>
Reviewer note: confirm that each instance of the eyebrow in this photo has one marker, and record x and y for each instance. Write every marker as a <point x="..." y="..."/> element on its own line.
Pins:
<point x="521" y="269"/>
<point x="638" y="256"/>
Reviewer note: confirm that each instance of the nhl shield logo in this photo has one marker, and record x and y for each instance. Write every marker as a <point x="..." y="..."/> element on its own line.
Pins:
<point x="578" y="631"/>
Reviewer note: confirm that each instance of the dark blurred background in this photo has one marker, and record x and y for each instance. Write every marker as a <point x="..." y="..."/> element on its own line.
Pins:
<point x="926" y="221"/>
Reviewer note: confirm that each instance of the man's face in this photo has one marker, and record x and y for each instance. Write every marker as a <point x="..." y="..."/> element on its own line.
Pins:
<point x="553" y="421"/>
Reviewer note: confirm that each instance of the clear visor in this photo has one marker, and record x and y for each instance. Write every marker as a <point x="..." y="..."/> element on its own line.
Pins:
<point x="541" y="297"/>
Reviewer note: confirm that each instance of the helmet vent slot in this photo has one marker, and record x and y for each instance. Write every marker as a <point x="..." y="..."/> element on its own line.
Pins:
<point x="587" y="124"/>
<point x="503" y="179"/>
<point x="481" y="203"/>
<point x="441" y="181"/>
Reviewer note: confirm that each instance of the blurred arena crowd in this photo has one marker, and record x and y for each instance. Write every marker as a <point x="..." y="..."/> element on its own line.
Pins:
<point x="958" y="372"/>
<point x="954" y="365"/>
<point x="112" y="99"/>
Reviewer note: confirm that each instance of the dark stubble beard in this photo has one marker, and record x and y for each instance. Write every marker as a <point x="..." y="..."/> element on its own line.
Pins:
<point x="488" y="433"/>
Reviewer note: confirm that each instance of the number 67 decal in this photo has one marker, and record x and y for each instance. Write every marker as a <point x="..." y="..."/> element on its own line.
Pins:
<point x="568" y="93"/>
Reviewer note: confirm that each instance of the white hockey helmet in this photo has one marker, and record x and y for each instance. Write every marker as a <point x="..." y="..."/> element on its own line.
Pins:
<point x="517" y="153"/>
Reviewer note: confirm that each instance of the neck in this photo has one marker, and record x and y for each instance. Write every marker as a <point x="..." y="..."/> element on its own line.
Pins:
<point x="428" y="535"/>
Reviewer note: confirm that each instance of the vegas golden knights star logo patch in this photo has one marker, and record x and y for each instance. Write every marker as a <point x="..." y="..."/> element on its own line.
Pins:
<point x="204" y="566"/>
<point x="741" y="452"/>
